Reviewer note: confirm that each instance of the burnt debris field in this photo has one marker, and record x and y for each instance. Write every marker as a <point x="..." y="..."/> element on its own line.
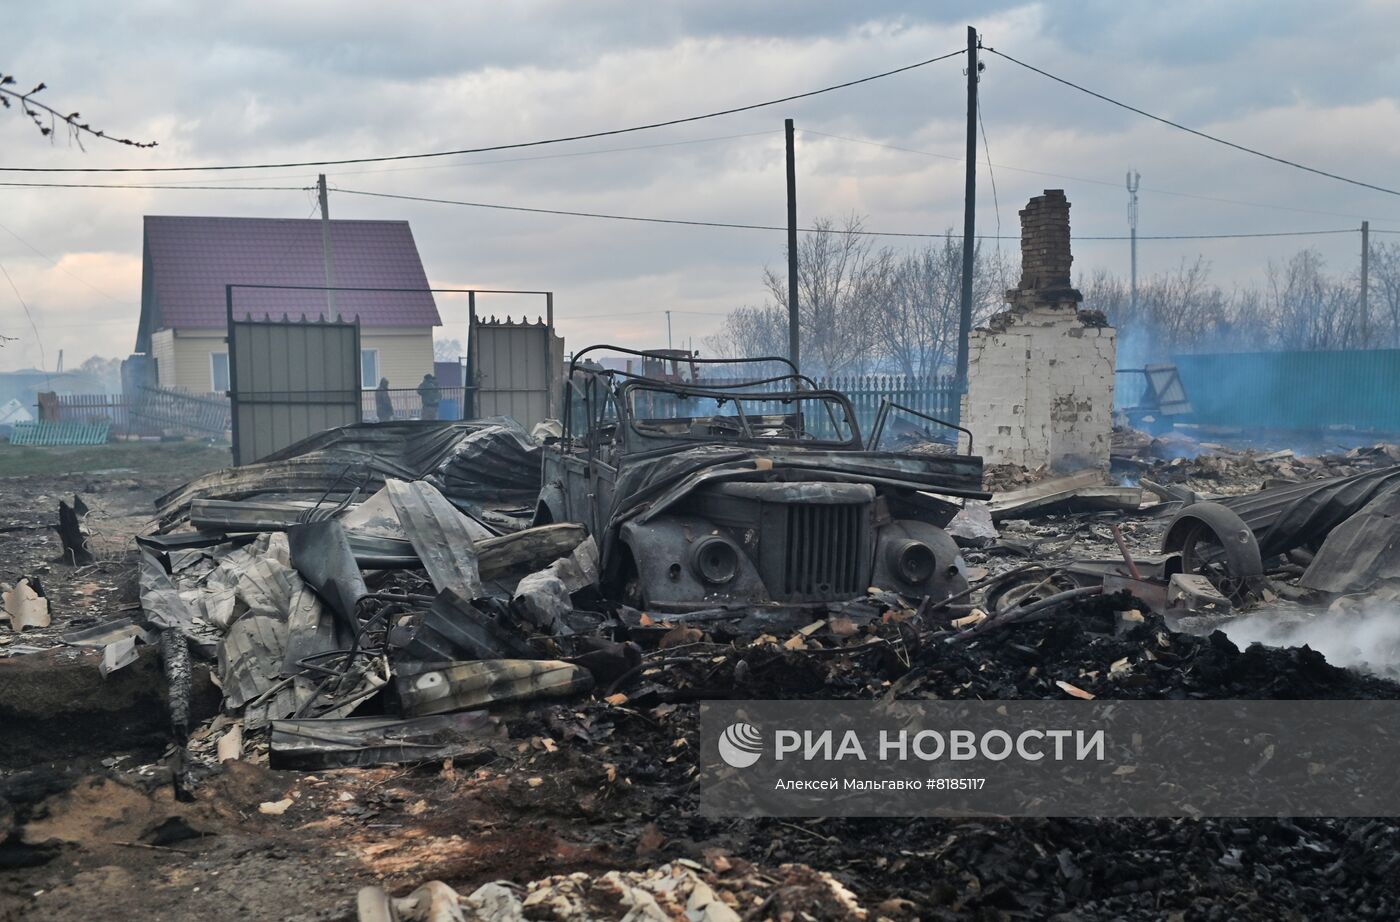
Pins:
<point x="376" y="676"/>
<point x="364" y="557"/>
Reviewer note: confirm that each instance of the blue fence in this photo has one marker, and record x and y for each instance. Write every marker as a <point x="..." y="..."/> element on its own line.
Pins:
<point x="1357" y="389"/>
<point x="935" y="395"/>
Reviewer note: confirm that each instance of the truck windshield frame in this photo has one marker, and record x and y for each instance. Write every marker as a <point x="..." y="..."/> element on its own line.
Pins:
<point x="721" y="415"/>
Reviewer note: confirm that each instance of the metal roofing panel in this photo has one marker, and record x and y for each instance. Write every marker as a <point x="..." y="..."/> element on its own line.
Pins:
<point x="192" y="259"/>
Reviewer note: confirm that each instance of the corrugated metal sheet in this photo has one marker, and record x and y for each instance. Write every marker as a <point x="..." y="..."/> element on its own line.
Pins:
<point x="65" y="433"/>
<point x="1294" y="390"/>
<point x="290" y="380"/>
<point x="515" y="368"/>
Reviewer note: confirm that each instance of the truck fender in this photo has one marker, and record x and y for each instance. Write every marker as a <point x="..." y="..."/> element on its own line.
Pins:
<point x="549" y="509"/>
<point x="948" y="574"/>
<point x="665" y="552"/>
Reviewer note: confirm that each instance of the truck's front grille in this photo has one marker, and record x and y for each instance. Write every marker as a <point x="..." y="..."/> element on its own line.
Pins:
<point x="825" y="547"/>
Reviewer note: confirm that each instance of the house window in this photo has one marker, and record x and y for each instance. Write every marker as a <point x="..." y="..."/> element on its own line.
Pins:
<point x="369" y="368"/>
<point x="218" y="372"/>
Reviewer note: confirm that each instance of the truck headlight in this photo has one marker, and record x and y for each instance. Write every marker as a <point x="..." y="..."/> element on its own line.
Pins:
<point x="913" y="561"/>
<point x="714" y="560"/>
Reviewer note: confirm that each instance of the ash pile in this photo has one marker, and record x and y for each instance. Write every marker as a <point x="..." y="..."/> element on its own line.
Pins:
<point x="379" y="595"/>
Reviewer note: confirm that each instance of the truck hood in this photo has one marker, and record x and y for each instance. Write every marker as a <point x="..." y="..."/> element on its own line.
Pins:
<point x="649" y="485"/>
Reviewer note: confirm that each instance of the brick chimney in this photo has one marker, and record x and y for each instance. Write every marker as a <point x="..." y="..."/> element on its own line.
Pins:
<point x="1040" y="375"/>
<point x="1045" y="254"/>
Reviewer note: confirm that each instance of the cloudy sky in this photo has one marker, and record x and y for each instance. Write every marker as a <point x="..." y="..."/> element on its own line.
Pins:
<point x="254" y="82"/>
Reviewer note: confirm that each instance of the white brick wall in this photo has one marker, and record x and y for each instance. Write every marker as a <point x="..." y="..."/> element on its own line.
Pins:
<point x="1041" y="391"/>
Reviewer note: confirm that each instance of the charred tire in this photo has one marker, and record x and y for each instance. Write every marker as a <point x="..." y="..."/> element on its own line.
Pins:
<point x="1034" y="584"/>
<point x="1216" y="543"/>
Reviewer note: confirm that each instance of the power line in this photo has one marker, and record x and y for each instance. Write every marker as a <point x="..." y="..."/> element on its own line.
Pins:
<point x="181" y="188"/>
<point x="193" y="184"/>
<point x="19" y="297"/>
<point x="84" y="324"/>
<point x="573" y="214"/>
<point x="1305" y="233"/>
<point x="986" y="146"/>
<point x="177" y="186"/>
<point x="108" y="295"/>
<point x="732" y="225"/>
<point x="1083" y="179"/>
<point x="577" y="153"/>
<point x="56" y="265"/>
<point x="1199" y="134"/>
<point x="479" y="150"/>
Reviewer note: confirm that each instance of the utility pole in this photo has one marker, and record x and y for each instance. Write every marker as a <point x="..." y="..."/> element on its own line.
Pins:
<point x="326" y="245"/>
<point x="1134" y="178"/>
<point x="794" y="339"/>
<point x="969" y="210"/>
<point x="1365" y="282"/>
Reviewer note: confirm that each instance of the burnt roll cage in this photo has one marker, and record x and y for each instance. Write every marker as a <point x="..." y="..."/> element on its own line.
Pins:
<point x="596" y="397"/>
<point x="803" y="387"/>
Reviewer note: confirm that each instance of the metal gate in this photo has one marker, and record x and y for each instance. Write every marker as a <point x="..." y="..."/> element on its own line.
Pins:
<point x="515" y="367"/>
<point x="289" y="380"/>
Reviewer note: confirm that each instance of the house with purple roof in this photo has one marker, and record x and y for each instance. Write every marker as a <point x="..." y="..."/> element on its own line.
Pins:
<point x="188" y="262"/>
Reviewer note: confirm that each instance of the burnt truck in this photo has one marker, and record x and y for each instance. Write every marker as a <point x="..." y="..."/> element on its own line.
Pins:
<point x="706" y="492"/>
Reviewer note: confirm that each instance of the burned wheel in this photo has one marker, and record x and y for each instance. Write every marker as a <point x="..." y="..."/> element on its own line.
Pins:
<point x="1216" y="543"/>
<point x="1025" y="588"/>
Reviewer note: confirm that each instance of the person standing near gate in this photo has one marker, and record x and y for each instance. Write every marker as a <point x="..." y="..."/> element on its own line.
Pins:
<point x="432" y="396"/>
<point x="383" y="403"/>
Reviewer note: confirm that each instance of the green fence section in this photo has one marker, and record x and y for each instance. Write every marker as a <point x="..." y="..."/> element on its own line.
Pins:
<point x="1294" y="390"/>
<point x="68" y="433"/>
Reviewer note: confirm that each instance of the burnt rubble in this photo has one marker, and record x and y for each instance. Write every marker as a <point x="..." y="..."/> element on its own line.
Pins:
<point x="1032" y="868"/>
<point x="356" y="614"/>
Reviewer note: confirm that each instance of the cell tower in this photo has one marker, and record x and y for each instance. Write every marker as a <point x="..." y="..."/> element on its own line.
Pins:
<point x="1134" y="178"/>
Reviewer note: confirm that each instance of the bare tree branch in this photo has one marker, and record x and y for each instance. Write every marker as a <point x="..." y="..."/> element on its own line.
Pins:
<point x="866" y="310"/>
<point x="47" y="119"/>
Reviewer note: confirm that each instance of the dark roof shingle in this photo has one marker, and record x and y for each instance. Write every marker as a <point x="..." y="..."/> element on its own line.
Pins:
<point x="191" y="259"/>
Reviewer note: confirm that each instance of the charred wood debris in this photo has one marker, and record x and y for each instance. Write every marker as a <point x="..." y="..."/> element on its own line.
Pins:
<point x="377" y="594"/>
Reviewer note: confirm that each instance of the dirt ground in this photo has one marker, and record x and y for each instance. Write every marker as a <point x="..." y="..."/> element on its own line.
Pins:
<point x="588" y="787"/>
<point x="119" y="483"/>
<point x="344" y="829"/>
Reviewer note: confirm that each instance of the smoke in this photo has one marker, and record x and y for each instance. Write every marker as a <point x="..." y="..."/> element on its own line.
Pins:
<point x="1365" y="637"/>
<point x="1135" y="347"/>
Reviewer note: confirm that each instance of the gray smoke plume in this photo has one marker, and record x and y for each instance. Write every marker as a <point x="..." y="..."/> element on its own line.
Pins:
<point x="1363" y="634"/>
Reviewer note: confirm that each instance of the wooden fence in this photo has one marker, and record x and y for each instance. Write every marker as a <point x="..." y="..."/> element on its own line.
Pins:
<point x="182" y="412"/>
<point x="86" y="408"/>
<point x="155" y="412"/>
